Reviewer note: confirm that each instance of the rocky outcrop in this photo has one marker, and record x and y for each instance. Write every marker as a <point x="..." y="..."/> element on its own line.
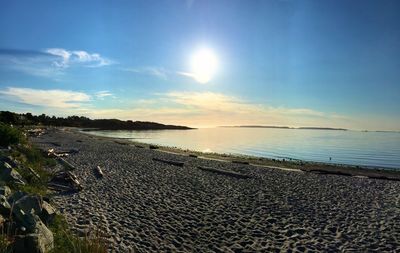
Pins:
<point x="29" y="215"/>
<point x="10" y="175"/>
<point x="24" y="216"/>
<point x="38" y="240"/>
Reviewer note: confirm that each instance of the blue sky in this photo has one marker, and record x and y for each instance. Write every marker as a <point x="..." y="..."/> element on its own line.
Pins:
<point x="297" y="63"/>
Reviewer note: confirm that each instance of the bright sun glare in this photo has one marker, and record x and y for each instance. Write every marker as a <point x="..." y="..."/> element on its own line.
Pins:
<point x="204" y="65"/>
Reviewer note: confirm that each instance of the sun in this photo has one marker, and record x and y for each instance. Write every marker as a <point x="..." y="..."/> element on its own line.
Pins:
<point x="204" y="64"/>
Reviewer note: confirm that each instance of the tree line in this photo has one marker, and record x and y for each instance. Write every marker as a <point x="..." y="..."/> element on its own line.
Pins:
<point x="26" y="119"/>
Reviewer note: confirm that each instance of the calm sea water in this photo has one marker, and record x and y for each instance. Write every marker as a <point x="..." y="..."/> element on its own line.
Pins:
<point x="376" y="149"/>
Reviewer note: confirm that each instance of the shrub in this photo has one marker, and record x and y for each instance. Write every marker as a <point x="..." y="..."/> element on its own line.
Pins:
<point x="9" y="135"/>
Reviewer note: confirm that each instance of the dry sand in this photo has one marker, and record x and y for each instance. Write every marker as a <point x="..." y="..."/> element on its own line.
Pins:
<point x="142" y="205"/>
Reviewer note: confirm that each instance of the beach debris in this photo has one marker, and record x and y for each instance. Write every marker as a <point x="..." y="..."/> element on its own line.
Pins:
<point x="36" y="132"/>
<point x="170" y="162"/>
<point x="153" y="147"/>
<point x="240" y="162"/>
<point x="225" y="172"/>
<point x="65" y="181"/>
<point x="139" y="146"/>
<point x="99" y="172"/>
<point x="52" y="153"/>
<point x="193" y="155"/>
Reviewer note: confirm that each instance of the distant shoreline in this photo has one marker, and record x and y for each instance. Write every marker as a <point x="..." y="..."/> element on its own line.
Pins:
<point x="286" y="127"/>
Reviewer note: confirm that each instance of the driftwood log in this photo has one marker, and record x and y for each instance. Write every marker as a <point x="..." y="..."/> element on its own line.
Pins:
<point x="240" y="162"/>
<point x="175" y="163"/>
<point x="225" y="172"/>
<point x="99" y="172"/>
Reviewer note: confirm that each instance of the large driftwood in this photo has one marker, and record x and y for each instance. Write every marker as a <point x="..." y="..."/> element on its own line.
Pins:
<point x="176" y="163"/>
<point x="66" y="181"/>
<point x="66" y="163"/>
<point x="225" y="172"/>
<point x="52" y="153"/>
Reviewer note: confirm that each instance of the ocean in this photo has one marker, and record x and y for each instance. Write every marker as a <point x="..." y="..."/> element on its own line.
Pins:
<point x="372" y="149"/>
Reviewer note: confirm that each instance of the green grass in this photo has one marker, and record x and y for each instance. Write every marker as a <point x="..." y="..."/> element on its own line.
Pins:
<point x="6" y="238"/>
<point x="31" y="157"/>
<point x="66" y="242"/>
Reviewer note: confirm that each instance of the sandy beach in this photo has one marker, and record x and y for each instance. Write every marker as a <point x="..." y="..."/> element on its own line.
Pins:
<point x="144" y="205"/>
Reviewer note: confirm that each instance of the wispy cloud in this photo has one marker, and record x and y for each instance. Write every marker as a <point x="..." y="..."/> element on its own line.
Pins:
<point x="102" y="94"/>
<point x="159" y="72"/>
<point x="60" y="99"/>
<point x="51" y="62"/>
<point x="184" y="108"/>
<point x="212" y="109"/>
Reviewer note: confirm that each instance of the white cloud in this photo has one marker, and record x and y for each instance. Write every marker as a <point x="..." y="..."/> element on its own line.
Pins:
<point x="61" y="99"/>
<point x="68" y="58"/>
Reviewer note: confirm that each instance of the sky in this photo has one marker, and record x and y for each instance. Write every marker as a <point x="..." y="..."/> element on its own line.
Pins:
<point x="283" y="62"/>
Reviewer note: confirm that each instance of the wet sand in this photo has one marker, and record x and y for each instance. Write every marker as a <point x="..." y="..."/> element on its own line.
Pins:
<point x="144" y="205"/>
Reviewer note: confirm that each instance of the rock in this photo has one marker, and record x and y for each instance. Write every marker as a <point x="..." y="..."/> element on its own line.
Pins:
<point x="5" y="207"/>
<point x="48" y="212"/>
<point x="28" y="203"/>
<point x="9" y="174"/>
<point x="41" y="239"/>
<point x="5" y="190"/>
<point x="16" y="196"/>
<point x="24" y="219"/>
